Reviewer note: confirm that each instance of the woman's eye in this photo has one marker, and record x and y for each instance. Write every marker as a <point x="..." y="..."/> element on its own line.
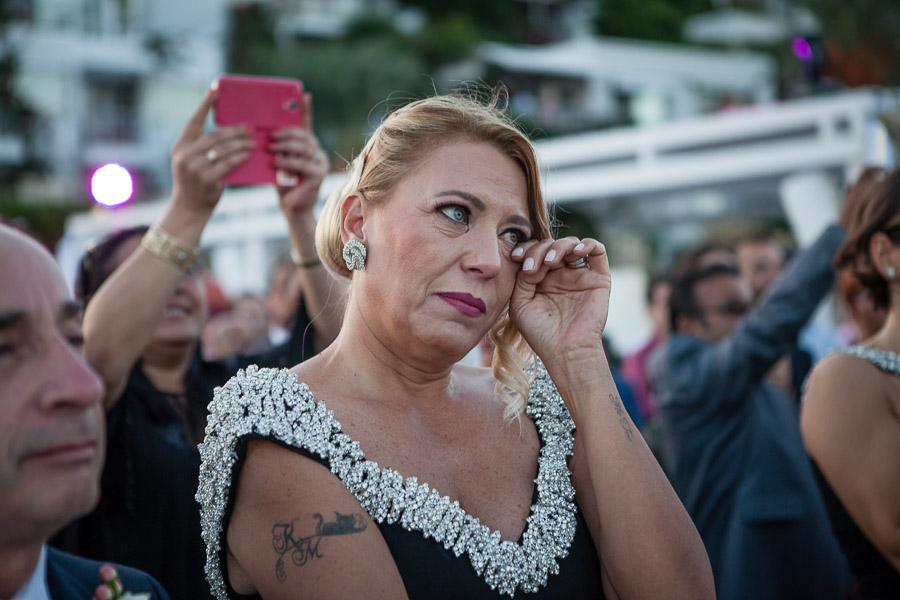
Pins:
<point x="456" y="213"/>
<point x="514" y="236"/>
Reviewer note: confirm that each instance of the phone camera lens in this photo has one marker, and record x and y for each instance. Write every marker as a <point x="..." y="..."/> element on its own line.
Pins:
<point x="291" y="105"/>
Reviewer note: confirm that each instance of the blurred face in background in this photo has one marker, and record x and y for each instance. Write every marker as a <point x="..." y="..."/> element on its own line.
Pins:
<point x="249" y="313"/>
<point x="722" y="302"/>
<point x="284" y="294"/>
<point x="760" y="262"/>
<point x="658" y="308"/>
<point x="51" y="428"/>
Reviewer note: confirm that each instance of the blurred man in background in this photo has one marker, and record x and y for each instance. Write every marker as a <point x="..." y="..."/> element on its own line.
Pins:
<point x="732" y="439"/>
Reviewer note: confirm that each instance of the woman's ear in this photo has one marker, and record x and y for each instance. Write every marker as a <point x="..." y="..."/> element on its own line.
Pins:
<point x="353" y="217"/>
<point x="880" y="251"/>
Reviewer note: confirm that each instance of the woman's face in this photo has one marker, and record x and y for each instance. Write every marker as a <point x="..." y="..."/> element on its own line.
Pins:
<point x="185" y="313"/>
<point x="438" y="273"/>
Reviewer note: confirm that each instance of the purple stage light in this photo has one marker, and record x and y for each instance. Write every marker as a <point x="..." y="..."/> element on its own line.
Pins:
<point x="802" y="49"/>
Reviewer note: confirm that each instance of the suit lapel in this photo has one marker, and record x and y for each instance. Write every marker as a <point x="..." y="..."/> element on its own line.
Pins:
<point x="67" y="579"/>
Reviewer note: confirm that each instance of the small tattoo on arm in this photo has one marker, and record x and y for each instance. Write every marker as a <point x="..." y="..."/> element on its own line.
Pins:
<point x="303" y="549"/>
<point x="623" y="417"/>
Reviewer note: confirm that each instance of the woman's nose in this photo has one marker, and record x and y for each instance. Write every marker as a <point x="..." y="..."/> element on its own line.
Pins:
<point x="485" y="257"/>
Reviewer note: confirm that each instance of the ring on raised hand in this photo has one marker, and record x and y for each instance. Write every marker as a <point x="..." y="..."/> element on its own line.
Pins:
<point x="581" y="263"/>
<point x="318" y="156"/>
<point x="212" y="155"/>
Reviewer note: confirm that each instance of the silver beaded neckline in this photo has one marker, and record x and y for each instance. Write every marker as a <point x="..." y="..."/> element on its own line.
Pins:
<point x="270" y="403"/>
<point x="889" y="362"/>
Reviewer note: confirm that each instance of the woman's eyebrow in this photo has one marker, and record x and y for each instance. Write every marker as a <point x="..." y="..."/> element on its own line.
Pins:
<point x="475" y="200"/>
<point x="520" y="220"/>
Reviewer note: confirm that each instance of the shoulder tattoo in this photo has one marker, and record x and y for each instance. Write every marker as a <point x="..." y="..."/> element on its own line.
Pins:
<point x="285" y="538"/>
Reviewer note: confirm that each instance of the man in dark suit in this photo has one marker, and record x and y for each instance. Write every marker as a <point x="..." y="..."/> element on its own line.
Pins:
<point x="51" y="431"/>
<point x="732" y="439"/>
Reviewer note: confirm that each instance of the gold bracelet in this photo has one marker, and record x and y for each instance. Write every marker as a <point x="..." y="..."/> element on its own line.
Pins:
<point x="173" y="251"/>
<point x="300" y="263"/>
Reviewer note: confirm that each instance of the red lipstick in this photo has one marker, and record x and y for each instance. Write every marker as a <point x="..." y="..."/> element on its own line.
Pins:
<point x="465" y="303"/>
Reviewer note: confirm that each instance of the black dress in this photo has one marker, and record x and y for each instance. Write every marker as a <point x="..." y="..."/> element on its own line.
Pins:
<point x="147" y="516"/>
<point x="440" y="551"/>
<point x="875" y="577"/>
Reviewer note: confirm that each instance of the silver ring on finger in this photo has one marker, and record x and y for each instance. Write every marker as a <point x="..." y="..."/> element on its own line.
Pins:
<point x="318" y="156"/>
<point x="211" y="155"/>
<point x="581" y="263"/>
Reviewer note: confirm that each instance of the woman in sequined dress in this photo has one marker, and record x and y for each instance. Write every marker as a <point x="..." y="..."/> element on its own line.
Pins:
<point x="394" y="471"/>
<point x="851" y="414"/>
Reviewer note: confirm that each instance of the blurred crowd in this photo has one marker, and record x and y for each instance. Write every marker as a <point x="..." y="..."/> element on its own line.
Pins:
<point x="781" y="436"/>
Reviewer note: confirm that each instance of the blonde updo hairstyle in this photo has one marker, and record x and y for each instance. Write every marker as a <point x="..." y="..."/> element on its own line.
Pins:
<point x="399" y="146"/>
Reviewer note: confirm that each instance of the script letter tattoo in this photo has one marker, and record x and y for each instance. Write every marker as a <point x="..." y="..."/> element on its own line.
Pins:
<point x="623" y="417"/>
<point x="302" y="549"/>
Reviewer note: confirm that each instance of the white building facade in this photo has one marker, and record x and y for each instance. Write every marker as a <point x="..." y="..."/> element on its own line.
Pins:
<point x="112" y="81"/>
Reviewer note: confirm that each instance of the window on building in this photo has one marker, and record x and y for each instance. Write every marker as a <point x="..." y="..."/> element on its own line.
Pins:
<point x="111" y="114"/>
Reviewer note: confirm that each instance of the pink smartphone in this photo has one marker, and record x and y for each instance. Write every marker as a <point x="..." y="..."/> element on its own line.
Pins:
<point x="266" y="104"/>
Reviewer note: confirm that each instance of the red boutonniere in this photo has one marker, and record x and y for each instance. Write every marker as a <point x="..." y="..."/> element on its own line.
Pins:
<point x="112" y="588"/>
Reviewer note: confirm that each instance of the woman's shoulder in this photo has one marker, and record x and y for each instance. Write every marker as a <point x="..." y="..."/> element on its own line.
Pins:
<point x="834" y="377"/>
<point x="842" y="368"/>
<point x="843" y="387"/>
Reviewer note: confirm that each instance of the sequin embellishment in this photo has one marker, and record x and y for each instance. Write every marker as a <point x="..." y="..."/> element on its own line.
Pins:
<point x="886" y="361"/>
<point x="270" y="403"/>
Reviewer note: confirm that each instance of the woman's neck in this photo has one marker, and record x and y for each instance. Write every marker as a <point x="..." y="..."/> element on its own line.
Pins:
<point x="364" y="361"/>
<point x="888" y="337"/>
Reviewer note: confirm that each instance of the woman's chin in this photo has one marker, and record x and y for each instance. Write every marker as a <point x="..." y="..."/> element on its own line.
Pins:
<point x="451" y="346"/>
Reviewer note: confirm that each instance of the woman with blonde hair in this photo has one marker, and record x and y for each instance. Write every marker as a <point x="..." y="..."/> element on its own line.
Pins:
<point x="394" y="471"/>
<point x="851" y="413"/>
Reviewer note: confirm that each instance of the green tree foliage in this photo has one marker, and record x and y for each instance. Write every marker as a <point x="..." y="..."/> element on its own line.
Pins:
<point x="499" y="20"/>
<point x="44" y="220"/>
<point x="370" y="65"/>
<point x="660" y="20"/>
<point x="447" y="39"/>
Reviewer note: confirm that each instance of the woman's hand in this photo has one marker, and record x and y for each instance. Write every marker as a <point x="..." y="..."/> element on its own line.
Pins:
<point x="560" y="310"/>
<point x="297" y="152"/>
<point x="200" y="160"/>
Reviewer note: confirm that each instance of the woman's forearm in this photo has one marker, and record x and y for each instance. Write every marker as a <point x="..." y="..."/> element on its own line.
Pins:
<point x="120" y="318"/>
<point x="639" y="518"/>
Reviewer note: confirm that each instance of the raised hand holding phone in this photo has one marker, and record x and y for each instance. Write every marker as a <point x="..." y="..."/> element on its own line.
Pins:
<point x="200" y="160"/>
